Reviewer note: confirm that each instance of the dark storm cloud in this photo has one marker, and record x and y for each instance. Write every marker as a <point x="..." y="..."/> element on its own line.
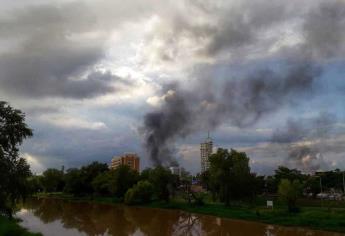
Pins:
<point x="299" y="129"/>
<point x="231" y="27"/>
<point x="241" y="29"/>
<point x="242" y="24"/>
<point x="53" y="53"/>
<point x="324" y="29"/>
<point x="50" y="71"/>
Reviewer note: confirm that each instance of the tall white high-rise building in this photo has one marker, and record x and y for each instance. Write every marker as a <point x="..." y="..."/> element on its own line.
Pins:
<point x="206" y="149"/>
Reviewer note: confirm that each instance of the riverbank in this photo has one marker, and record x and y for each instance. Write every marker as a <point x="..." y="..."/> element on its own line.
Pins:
<point x="11" y="228"/>
<point x="328" y="219"/>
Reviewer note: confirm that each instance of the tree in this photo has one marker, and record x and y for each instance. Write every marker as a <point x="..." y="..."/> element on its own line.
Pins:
<point x="74" y="182"/>
<point x="122" y="179"/>
<point x="289" y="191"/>
<point x="285" y="173"/>
<point x="53" y="180"/>
<point x="140" y="193"/>
<point x="101" y="184"/>
<point x="14" y="169"/>
<point x="35" y="184"/>
<point x="229" y="175"/>
<point x="164" y="182"/>
<point x="312" y="185"/>
<point x="89" y="173"/>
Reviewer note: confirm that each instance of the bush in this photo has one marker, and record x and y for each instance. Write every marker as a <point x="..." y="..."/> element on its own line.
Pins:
<point x="140" y="193"/>
<point x="289" y="191"/>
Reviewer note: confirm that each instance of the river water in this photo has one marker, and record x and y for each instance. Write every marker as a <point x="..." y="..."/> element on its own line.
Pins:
<point x="61" y="218"/>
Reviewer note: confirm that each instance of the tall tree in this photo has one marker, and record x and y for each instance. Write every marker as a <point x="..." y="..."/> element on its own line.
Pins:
<point x="230" y="174"/>
<point x="289" y="191"/>
<point x="122" y="179"/>
<point x="53" y="180"/>
<point x="14" y="169"/>
<point x="164" y="182"/>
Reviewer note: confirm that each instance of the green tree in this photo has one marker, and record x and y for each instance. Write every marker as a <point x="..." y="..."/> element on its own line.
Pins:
<point x="312" y="185"/>
<point x="101" y="184"/>
<point x="285" y="173"/>
<point x="140" y="193"/>
<point x="145" y="174"/>
<point x="80" y="181"/>
<point x="35" y="184"/>
<point x="74" y="183"/>
<point x="229" y="174"/>
<point x="289" y="191"/>
<point x="122" y="179"/>
<point x="52" y="180"/>
<point x="14" y="169"/>
<point x="164" y="182"/>
<point x="89" y="173"/>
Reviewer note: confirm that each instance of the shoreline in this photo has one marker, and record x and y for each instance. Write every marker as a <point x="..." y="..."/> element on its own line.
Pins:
<point x="313" y="218"/>
<point x="12" y="227"/>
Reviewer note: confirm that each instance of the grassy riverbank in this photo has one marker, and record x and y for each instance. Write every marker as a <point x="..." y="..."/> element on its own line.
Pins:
<point x="11" y="228"/>
<point x="320" y="218"/>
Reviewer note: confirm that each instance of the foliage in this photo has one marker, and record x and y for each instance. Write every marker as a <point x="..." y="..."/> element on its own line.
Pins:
<point x="101" y="184"/>
<point x="140" y="193"/>
<point x="74" y="182"/>
<point x="312" y="185"/>
<point x="80" y="181"/>
<point x="285" y="173"/>
<point x="164" y="182"/>
<point x="53" y="180"/>
<point x="89" y="173"/>
<point x="271" y="185"/>
<point x="35" y="184"/>
<point x="230" y="175"/>
<point x="122" y="179"/>
<point x="14" y="170"/>
<point x="289" y="191"/>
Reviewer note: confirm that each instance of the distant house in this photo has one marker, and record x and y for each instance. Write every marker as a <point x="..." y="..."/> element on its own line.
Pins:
<point x="130" y="159"/>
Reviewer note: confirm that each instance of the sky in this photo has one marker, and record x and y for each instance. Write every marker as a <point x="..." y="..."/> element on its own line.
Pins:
<point x="97" y="79"/>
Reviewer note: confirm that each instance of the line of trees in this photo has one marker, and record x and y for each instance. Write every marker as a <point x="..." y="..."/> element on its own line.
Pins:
<point x="96" y="179"/>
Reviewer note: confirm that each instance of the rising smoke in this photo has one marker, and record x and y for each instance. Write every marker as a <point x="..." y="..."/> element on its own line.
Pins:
<point x="305" y="139"/>
<point x="245" y="100"/>
<point x="242" y="102"/>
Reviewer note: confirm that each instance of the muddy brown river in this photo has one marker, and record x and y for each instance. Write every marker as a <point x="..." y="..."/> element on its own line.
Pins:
<point x="61" y="218"/>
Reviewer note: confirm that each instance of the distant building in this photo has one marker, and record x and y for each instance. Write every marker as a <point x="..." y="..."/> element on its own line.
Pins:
<point x="206" y="149"/>
<point x="130" y="159"/>
<point x="175" y="170"/>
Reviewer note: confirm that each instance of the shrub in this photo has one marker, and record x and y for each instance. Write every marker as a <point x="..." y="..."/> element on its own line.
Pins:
<point x="140" y="193"/>
<point x="289" y="191"/>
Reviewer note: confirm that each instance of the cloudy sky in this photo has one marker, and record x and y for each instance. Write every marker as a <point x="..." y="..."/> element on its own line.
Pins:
<point x="100" y="78"/>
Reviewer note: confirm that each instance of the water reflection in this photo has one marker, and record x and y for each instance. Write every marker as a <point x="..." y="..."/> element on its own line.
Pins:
<point x="56" y="217"/>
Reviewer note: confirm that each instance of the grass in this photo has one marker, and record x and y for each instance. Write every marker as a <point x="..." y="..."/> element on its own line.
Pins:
<point x="312" y="216"/>
<point x="11" y="228"/>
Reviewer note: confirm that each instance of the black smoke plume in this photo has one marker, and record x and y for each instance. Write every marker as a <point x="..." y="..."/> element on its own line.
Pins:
<point x="305" y="139"/>
<point x="241" y="102"/>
